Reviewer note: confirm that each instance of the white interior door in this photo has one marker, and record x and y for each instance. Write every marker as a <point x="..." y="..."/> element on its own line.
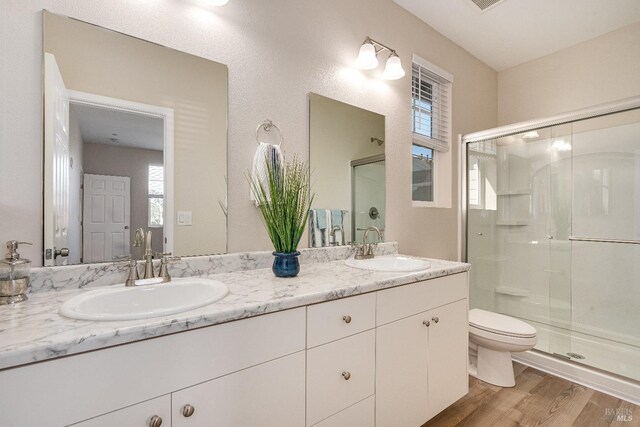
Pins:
<point x="56" y="163"/>
<point x="106" y="214"/>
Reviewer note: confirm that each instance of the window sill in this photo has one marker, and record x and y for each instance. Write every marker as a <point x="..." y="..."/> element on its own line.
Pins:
<point x="419" y="204"/>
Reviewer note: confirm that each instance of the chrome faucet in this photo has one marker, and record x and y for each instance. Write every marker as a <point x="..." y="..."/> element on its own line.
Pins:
<point x="142" y="240"/>
<point x="365" y="251"/>
<point x="132" y="275"/>
<point x="165" y="259"/>
<point x="148" y="258"/>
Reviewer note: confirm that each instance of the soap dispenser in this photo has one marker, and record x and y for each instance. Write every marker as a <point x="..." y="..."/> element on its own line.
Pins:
<point x="14" y="275"/>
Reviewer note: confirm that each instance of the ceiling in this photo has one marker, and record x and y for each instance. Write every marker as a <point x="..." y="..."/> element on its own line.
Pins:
<point x="516" y="31"/>
<point x="120" y="128"/>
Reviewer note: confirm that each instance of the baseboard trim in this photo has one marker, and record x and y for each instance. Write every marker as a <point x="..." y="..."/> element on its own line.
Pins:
<point x="619" y="387"/>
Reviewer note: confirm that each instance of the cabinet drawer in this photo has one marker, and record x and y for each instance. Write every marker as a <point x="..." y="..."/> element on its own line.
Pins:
<point x="405" y="301"/>
<point x="134" y="416"/>
<point x="359" y="415"/>
<point x="333" y="320"/>
<point x="328" y="367"/>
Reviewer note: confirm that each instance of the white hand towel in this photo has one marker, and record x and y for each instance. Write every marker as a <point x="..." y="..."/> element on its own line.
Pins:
<point x="259" y="173"/>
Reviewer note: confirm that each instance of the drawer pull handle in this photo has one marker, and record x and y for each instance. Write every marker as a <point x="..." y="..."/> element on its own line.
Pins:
<point x="347" y="319"/>
<point x="426" y="323"/>
<point x="435" y="319"/>
<point x="155" y="421"/>
<point x="346" y="375"/>
<point x="188" y="410"/>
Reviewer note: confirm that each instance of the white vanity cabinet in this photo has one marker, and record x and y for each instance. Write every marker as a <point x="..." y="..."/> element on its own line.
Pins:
<point x="101" y="383"/>
<point x="394" y="357"/>
<point x="421" y="350"/>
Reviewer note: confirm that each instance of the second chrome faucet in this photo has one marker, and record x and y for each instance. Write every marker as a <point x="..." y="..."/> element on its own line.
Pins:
<point x="141" y="240"/>
<point x="365" y="251"/>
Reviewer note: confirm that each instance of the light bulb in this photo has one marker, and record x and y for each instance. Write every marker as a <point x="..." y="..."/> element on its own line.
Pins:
<point x="367" y="58"/>
<point x="393" y="69"/>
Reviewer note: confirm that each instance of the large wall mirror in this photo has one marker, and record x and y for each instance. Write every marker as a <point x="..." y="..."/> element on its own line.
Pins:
<point x="135" y="140"/>
<point x="347" y="171"/>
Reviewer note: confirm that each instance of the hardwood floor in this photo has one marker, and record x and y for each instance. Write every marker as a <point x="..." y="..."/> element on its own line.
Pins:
<point x="538" y="399"/>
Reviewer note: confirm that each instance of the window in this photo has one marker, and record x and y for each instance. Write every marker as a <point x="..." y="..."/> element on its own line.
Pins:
<point x="156" y="195"/>
<point x="430" y="94"/>
<point x="422" y="181"/>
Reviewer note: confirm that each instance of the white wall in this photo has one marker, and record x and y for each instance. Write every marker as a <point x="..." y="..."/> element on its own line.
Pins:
<point x="600" y="70"/>
<point x="277" y="52"/>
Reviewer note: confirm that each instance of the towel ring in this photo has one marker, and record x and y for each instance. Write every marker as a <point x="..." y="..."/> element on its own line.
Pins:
<point x="267" y="125"/>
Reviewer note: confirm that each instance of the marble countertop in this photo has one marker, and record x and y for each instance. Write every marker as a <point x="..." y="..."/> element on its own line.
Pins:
<point x="34" y="331"/>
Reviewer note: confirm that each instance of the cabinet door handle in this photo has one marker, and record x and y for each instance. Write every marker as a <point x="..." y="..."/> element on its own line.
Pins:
<point x="346" y="375"/>
<point x="435" y="319"/>
<point x="188" y="410"/>
<point x="347" y="319"/>
<point x="155" y="421"/>
<point x="426" y="323"/>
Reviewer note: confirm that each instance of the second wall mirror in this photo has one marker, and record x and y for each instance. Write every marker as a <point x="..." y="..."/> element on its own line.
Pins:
<point x="346" y="155"/>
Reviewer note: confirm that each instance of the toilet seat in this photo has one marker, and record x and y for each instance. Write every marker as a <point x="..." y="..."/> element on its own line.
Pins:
<point x="499" y="324"/>
<point x="502" y="339"/>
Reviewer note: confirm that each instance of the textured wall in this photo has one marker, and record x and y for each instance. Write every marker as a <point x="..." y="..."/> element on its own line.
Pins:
<point x="277" y="52"/>
<point x="600" y="70"/>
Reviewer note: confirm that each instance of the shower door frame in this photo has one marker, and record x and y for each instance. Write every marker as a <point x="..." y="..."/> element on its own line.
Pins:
<point x="590" y="376"/>
<point x="354" y="164"/>
<point x="520" y="127"/>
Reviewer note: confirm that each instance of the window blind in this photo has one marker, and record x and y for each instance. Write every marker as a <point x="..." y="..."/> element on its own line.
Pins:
<point x="431" y="94"/>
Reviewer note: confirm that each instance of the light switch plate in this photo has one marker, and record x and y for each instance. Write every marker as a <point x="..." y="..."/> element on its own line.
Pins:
<point x="184" y="217"/>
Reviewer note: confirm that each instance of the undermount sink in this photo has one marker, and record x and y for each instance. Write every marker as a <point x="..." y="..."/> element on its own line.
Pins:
<point x="128" y="303"/>
<point x="392" y="263"/>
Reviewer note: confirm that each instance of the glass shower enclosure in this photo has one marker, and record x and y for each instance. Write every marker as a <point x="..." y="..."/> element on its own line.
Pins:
<point x="553" y="234"/>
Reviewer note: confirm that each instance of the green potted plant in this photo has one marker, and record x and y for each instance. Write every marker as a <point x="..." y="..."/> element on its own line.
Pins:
<point x="284" y="199"/>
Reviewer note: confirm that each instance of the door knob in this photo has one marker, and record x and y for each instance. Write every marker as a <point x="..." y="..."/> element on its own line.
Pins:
<point x="426" y="323"/>
<point x="155" y="421"/>
<point x="126" y="227"/>
<point x="63" y="252"/>
<point x="435" y="319"/>
<point x="347" y="319"/>
<point x="346" y="375"/>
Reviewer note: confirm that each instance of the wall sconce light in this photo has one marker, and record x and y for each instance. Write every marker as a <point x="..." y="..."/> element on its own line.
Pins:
<point x="368" y="59"/>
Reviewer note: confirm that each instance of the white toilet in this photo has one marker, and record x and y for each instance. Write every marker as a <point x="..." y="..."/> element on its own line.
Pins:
<point x="492" y="339"/>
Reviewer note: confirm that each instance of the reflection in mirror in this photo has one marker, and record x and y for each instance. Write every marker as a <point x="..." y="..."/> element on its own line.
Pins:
<point x="347" y="170"/>
<point x="135" y="137"/>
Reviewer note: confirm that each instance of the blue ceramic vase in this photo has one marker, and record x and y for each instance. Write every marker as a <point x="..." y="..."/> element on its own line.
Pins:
<point x="286" y="265"/>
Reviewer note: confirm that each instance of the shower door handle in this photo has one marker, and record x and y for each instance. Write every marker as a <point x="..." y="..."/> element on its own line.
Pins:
<point x="597" y="240"/>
